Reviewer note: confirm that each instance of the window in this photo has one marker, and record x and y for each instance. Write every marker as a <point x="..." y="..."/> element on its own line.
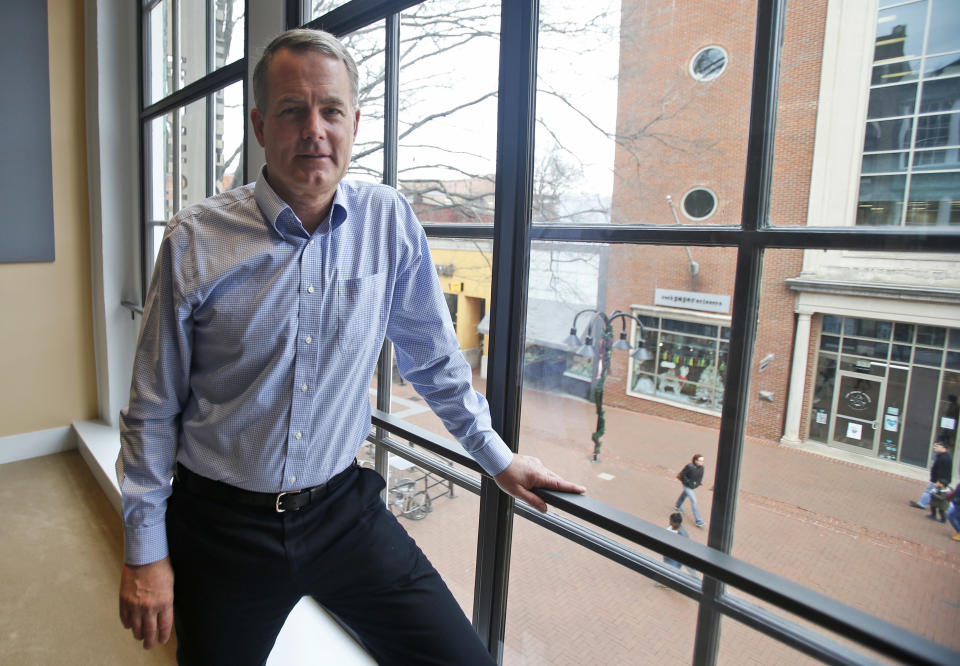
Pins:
<point x="876" y="387"/>
<point x="699" y="203"/>
<point x="708" y="63"/>
<point x="911" y="150"/>
<point x="573" y="192"/>
<point x="689" y="362"/>
<point x="193" y="117"/>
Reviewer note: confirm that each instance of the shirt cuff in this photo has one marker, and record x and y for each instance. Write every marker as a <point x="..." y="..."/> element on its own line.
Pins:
<point x="144" y="545"/>
<point x="493" y="456"/>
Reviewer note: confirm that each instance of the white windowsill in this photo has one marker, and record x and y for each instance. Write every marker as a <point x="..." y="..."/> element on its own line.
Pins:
<point x="309" y="636"/>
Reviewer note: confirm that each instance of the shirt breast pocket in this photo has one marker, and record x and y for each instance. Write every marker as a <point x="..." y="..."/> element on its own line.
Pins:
<point x="361" y="311"/>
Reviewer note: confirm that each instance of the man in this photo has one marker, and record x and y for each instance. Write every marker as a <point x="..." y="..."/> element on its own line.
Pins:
<point x="940" y="474"/>
<point x="691" y="478"/>
<point x="261" y="330"/>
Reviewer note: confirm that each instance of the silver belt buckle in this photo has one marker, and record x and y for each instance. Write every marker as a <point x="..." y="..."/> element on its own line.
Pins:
<point x="277" y="504"/>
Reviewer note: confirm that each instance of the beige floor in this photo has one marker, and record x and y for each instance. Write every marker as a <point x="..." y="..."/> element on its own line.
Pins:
<point x="59" y="566"/>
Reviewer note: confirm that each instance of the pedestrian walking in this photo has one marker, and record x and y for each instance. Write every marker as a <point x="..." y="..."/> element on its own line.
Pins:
<point x="676" y="526"/>
<point x="692" y="478"/>
<point x="940" y="474"/>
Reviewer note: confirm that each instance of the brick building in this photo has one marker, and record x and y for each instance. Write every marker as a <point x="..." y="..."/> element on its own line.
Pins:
<point x="883" y="390"/>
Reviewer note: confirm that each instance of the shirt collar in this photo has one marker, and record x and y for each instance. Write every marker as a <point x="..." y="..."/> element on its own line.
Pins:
<point x="279" y="214"/>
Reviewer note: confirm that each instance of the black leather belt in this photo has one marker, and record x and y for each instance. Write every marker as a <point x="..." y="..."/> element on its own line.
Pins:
<point x="280" y="502"/>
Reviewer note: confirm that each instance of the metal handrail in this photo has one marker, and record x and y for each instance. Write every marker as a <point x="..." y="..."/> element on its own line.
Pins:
<point x="866" y="630"/>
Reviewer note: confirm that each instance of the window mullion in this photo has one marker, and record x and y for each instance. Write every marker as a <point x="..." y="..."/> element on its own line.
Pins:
<point x="511" y="259"/>
<point x="745" y="316"/>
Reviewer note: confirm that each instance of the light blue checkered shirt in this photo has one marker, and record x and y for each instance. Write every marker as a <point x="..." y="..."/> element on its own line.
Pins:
<point x="259" y="342"/>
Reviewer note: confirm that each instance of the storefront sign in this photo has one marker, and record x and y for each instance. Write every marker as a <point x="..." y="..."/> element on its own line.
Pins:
<point x="692" y="300"/>
<point x="854" y="430"/>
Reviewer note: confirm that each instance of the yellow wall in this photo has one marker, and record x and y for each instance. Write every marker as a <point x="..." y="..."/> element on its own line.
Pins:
<point x="471" y="282"/>
<point x="47" y="371"/>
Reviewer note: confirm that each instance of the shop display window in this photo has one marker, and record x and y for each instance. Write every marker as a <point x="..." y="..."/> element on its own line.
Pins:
<point x="689" y="362"/>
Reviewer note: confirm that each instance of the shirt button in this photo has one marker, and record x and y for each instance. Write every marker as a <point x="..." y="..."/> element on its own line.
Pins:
<point x="308" y="339"/>
<point x="299" y="435"/>
<point x="311" y="241"/>
<point x="303" y="387"/>
<point x="293" y="479"/>
<point x="310" y="289"/>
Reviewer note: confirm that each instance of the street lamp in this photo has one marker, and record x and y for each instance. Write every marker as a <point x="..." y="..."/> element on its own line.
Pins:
<point x="605" y="344"/>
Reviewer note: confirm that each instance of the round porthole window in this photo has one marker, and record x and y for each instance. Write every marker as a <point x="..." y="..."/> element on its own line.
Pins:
<point x="708" y="63"/>
<point x="699" y="203"/>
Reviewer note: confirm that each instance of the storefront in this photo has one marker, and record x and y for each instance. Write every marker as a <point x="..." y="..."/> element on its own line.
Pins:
<point x="885" y="389"/>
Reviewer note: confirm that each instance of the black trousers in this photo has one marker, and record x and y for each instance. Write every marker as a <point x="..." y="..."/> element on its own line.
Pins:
<point x="238" y="571"/>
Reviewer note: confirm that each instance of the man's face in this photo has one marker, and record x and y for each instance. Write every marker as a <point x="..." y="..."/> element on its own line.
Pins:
<point x="699" y="461"/>
<point x="308" y="126"/>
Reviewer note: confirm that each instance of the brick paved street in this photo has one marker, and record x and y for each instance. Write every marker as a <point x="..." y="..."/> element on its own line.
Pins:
<point x="837" y="527"/>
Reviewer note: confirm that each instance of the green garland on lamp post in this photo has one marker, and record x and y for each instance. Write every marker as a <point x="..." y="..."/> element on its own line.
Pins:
<point x="605" y="341"/>
<point x="603" y="364"/>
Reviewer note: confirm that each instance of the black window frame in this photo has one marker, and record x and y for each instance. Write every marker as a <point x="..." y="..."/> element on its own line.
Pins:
<point x="204" y="88"/>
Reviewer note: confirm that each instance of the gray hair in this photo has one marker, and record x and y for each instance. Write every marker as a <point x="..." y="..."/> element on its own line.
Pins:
<point x="299" y="40"/>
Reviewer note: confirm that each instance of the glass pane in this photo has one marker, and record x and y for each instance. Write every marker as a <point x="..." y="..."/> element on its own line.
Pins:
<point x="829" y="343"/>
<point x="931" y="336"/>
<point x="881" y="200"/>
<point x="230" y="122"/>
<point x="935" y="159"/>
<point x="680" y="137"/>
<point x="893" y="409"/>
<point x="888" y="134"/>
<point x="176" y="43"/>
<point x="940" y="95"/>
<point x="819" y="168"/>
<point x="741" y="644"/>
<point x="934" y="199"/>
<point x="229" y="28"/>
<point x="896" y="71"/>
<point x="367" y="48"/>
<point x="948" y="414"/>
<point x="903" y="332"/>
<point x="889" y="101"/>
<point x="885" y="162"/>
<point x="193" y="154"/>
<point x="923" y="356"/>
<point x="568" y="605"/>
<point x="192" y="42"/>
<point x="158" y="52"/>
<point x="944" y="19"/>
<point x="867" y="328"/>
<point x="159" y="157"/>
<point x="448" y="108"/>
<point x="639" y="412"/>
<point x="941" y="65"/>
<point x="900" y="31"/>
<point x="831" y="502"/>
<point x="577" y="77"/>
<point x="821" y="405"/>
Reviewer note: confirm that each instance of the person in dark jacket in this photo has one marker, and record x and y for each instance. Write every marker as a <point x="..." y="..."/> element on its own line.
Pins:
<point x="940" y="474"/>
<point x="691" y="477"/>
<point x="676" y="526"/>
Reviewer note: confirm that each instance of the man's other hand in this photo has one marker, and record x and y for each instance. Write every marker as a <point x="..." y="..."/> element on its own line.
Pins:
<point x="526" y="473"/>
<point x="146" y="601"/>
